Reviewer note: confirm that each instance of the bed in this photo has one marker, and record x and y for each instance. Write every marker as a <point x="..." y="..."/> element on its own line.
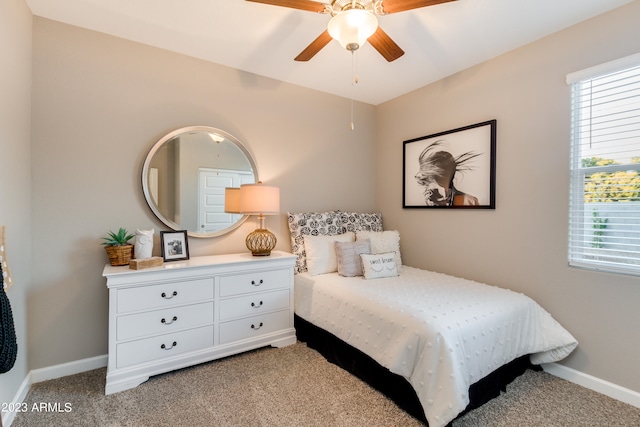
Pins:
<point x="438" y="345"/>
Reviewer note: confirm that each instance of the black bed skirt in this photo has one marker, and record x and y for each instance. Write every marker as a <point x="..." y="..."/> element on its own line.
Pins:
<point x="394" y="386"/>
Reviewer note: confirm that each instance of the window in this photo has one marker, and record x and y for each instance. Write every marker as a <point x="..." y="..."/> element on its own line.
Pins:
<point x="604" y="207"/>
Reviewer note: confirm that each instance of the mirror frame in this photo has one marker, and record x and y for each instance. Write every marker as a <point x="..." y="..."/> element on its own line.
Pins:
<point x="145" y="178"/>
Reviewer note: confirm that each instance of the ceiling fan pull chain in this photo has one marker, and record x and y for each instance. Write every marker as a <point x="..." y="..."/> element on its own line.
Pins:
<point x="354" y="71"/>
<point x="354" y="66"/>
<point x="352" y="127"/>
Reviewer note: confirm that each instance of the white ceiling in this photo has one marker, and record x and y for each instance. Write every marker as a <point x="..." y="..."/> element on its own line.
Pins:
<point x="262" y="39"/>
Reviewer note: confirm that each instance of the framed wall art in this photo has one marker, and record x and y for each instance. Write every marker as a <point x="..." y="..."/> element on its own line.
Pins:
<point x="453" y="169"/>
<point x="175" y="245"/>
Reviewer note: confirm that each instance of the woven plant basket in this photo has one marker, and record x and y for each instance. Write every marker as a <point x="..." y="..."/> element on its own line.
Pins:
<point x="119" y="255"/>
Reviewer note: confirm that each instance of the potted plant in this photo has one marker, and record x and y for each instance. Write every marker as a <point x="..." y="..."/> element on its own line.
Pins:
<point x="118" y="248"/>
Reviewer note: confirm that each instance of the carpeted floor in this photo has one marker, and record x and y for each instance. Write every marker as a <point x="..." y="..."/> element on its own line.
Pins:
<point x="295" y="386"/>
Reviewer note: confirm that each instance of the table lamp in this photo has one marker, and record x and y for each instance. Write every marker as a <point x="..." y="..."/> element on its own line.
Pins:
<point x="259" y="199"/>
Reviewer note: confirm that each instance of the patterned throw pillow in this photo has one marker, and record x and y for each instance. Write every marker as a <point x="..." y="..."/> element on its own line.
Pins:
<point x="358" y="221"/>
<point x="379" y="265"/>
<point x="311" y="224"/>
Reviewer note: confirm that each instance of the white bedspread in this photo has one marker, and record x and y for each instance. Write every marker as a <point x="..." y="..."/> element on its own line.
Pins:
<point x="440" y="332"/>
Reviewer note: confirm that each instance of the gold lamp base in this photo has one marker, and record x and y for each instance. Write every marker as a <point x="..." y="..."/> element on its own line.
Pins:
<point x="260" y="242"/>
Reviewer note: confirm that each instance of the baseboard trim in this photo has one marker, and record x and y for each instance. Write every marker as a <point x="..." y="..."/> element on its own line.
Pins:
<point x="50" y="373"/>
<point x="8" y="417"/>
<point x="593" y="383"/>
<point x="69" y="368"/>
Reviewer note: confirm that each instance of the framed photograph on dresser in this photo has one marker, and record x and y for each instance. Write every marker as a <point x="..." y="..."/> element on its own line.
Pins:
<point x="175" y="245"/>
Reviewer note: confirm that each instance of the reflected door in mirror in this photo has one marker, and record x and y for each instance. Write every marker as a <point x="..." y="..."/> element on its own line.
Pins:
<point x="212" y="184"/>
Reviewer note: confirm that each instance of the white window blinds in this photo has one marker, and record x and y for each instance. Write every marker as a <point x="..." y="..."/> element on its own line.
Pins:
<point x="604" y="223"/>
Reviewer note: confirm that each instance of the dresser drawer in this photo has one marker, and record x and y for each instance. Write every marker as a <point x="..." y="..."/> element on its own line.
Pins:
<point x="253" y="326"/>
<point x="145" y="350"/>
<point x="164" y="295"/>
<point x="253" y="304"/>
<point x="164" y="321"/>
<point x="238" y="284"/>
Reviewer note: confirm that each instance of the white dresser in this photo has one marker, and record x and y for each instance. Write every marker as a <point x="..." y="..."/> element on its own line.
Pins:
<point x="189" y="312"/>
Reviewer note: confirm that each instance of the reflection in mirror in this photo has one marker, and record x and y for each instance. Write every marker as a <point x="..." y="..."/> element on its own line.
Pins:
<point x="185" y="175"/>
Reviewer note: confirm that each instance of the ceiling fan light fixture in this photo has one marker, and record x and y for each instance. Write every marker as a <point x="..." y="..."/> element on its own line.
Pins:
<point x="351" y="28"/>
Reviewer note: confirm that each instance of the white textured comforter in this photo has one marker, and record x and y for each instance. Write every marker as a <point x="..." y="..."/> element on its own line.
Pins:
<point x="440" y="332"/>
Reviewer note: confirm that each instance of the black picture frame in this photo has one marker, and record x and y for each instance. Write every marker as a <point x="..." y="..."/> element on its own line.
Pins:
<point x="175" y="245"/>
<point x="455" y="169"/>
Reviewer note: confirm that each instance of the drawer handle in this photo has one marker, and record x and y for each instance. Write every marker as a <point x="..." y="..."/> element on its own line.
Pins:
<point x="254" y="305"/>
<point x="260" y="282"/>
<point x="168" y="323"/>
<point x="164" y="347"/>
<point x="254" y="327"/>
<point x="174" y="294"/>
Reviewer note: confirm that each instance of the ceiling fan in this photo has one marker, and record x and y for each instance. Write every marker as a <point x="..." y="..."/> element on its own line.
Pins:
<point x="353" y="22"/>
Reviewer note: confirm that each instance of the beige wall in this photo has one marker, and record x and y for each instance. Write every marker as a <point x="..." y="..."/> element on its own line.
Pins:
<point x="522" y="244"/>
<point x="100" y="103"/>
<point x="15" y="173"/>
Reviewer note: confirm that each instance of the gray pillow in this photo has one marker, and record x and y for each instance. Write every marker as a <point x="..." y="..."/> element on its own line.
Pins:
<point x="348" y="257"/>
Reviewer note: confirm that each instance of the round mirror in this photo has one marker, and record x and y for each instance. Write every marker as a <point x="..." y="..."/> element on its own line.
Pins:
<point x="185" y="175"/>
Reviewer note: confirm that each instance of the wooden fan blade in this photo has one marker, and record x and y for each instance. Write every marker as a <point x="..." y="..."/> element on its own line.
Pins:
<point x="393" y="6"/>
<point x="315" y="47"/>
<point x="387" y="47"/>
<point x="311" y="6"/>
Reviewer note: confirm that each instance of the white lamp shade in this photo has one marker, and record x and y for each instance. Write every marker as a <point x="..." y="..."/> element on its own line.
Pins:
<point x="232" y="200"/>
<point x="352" y="27"/>
<point x="256" y="199"/>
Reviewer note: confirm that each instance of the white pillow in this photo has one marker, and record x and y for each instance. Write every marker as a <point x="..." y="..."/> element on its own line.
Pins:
<point x="379" y="265"/>
<point x="321" y="252"/>
<point x="382" y="242"/>
<point x="311" y="224"/>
